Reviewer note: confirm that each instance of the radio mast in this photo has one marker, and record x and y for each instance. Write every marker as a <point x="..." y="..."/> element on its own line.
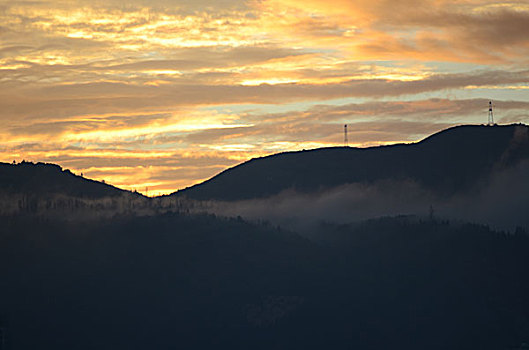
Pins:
<point x="345" y="140"/>
<point x="491" y="116"/>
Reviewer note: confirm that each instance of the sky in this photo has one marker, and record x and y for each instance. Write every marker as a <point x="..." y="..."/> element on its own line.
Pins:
<point x="159" y="95"/>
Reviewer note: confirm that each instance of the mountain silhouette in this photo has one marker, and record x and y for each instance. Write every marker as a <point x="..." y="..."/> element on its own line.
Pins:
<point x="173" y="277"/>
<point x="454" y="160"/>
<point x="43" y="179"/>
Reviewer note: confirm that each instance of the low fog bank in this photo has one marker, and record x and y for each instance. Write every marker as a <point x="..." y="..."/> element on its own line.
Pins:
<point x="65" y="207"/>
<point x="501" y="202"/>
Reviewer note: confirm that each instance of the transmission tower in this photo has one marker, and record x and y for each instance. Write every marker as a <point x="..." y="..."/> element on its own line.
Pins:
<point x="345" y="140"/>
<point x="491" y="116"/>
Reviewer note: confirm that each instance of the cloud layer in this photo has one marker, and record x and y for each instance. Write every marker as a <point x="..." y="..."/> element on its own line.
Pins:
<point x="166" y="93"/>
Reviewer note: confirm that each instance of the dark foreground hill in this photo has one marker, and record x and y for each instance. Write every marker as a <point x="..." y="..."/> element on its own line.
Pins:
<point x="177" y="281"/>
<point x="108" y="279"/>
<point x="42" y="179"/>
<point x="451" y="161"/>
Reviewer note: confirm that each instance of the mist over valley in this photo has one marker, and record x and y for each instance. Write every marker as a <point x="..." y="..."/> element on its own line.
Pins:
<point x="415" y="246"/>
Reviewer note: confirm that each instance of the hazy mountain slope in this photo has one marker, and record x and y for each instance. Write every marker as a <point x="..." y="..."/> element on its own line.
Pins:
<point x="452" y="160"/>
<point x="45" y="179"/>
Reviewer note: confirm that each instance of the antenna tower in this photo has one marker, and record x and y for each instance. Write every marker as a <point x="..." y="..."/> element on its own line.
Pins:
<point x="491" y="116"/>
<point x="345" y="140"/>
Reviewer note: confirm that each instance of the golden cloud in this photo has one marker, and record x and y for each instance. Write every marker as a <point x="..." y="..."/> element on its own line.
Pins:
<point x="165" y="93"/>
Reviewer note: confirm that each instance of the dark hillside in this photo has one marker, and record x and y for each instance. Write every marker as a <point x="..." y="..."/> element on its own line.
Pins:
<point x="159" y="279"/>
<point x="44" y="179"/>
<point x="199" y="282"/>
<point x="450" y="161"/>
<point x="162" y="282"/>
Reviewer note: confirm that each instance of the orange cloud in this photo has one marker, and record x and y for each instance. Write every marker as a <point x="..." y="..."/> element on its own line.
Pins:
<point x="165" y="93"/>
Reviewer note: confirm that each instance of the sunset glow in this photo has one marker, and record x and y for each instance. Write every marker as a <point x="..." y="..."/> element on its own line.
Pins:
<point x="164" y="94"/>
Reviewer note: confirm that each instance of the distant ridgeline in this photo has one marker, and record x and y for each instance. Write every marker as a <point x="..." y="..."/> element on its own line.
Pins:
<point x="456" y="160"/>
<point x="41" y="188"/>
<point x="452" y="161"/>
<point x="44" y="178"/>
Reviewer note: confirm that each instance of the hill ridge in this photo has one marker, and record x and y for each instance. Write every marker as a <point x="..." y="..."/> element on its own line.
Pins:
<point x="462" y="154"/>
<point x="47" y="178"/>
